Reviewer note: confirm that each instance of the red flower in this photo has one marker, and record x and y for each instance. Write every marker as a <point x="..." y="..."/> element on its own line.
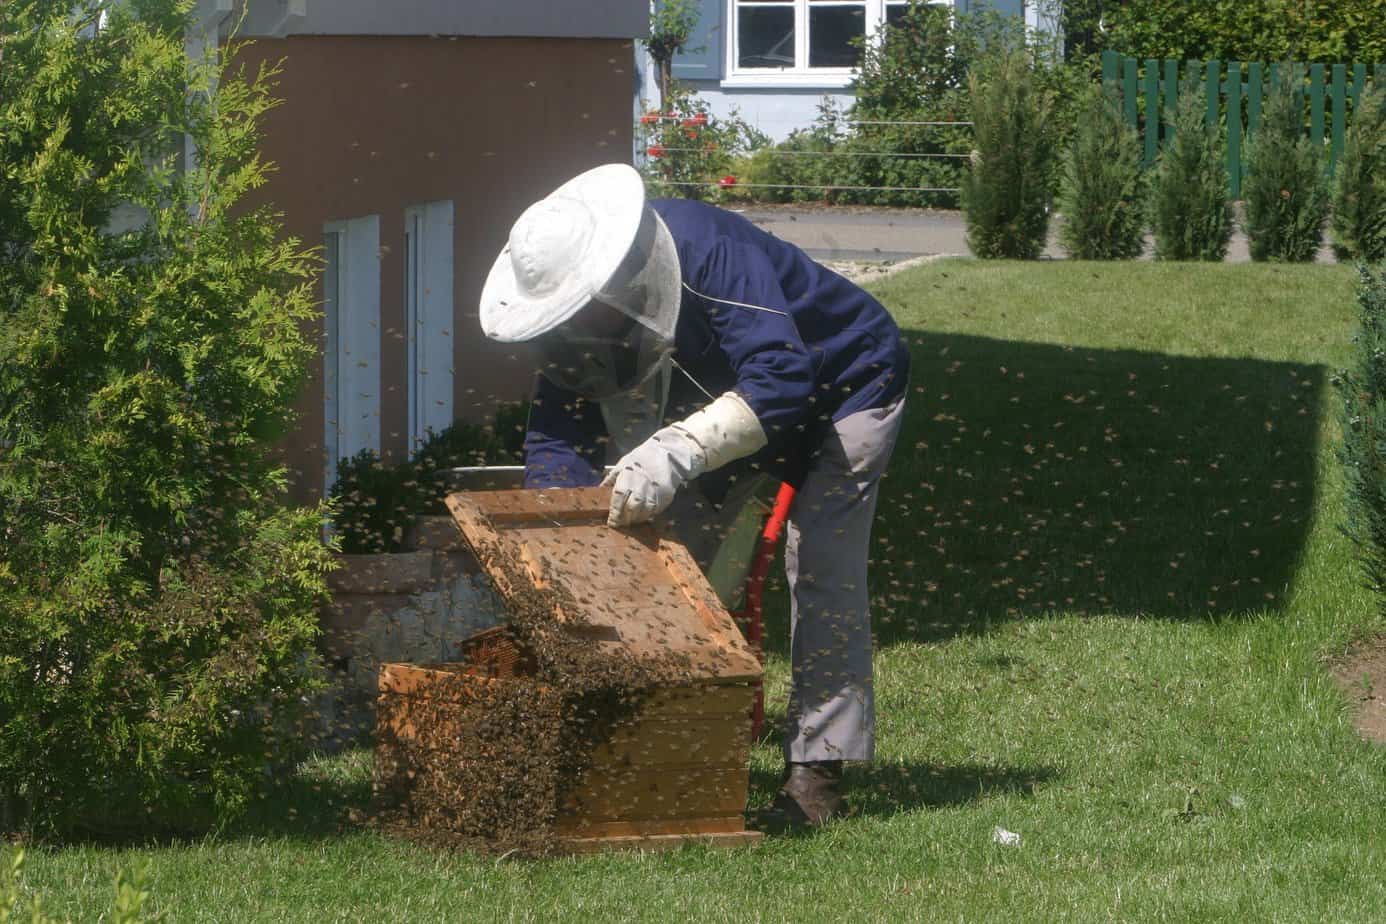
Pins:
<point x="655" y="150"/>
<point x="649" y="118"/>
<point x="699" y="119"/>
<point x="690" y="133"/>
<point x="727" y="182"/>
<point x="710" y="146"/>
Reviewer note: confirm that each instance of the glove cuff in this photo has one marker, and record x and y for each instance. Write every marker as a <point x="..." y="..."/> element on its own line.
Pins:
<point x="725" y="430"/>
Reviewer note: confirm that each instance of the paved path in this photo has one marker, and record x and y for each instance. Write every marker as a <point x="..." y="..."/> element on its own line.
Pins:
<point x="859" y="234"/>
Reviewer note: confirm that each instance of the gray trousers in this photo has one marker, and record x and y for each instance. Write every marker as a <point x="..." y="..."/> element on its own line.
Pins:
<point x="831" y="713"/>
<point x="832" y="709"/>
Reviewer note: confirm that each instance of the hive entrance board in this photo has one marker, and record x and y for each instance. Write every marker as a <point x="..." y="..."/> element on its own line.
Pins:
<point x="637" y="592"/>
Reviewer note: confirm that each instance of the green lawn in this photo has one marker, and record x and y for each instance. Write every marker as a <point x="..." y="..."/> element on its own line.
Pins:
<point x="1109" y="571"/>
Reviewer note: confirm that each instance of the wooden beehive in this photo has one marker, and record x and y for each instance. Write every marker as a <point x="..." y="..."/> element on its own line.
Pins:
<point x="675" y="769"/>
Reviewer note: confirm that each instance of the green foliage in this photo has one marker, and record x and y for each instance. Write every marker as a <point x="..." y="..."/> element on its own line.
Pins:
<point x="1006" y="194"/>
<point x="905" y="141"/>
<point x="689" y="150"/>
<point x="1359" y="192"/>
<point x="1103" y="193"/>
<point x="157" y="603"/>
<point x="375" y="503"/>
<point x="915" y="71"/>
<point x="1190" y="212"/>
<point x="127" y="906"/>
<point x="671" y="25"/>
<point x="1270" y="30"/>
<point x="1285" y="194"/>
<point x="1363" y="451"/>
<point x="801" y="161"/>
<point x="917" y="62"/>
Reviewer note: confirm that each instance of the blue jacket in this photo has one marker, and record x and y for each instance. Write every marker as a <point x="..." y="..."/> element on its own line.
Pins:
<point x="802" y="345"/>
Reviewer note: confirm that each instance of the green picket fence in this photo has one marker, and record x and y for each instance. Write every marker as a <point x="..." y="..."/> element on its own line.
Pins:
<point x="1150" y="92"/>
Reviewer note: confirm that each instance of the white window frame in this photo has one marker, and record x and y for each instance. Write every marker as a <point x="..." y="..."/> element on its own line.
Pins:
<point x="351" y="341"/>
<point x="428" y="312"/>
<point x="801" y="75"/>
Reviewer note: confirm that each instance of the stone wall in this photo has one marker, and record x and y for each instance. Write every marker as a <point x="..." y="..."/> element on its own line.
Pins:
<point x="413" y="606"/>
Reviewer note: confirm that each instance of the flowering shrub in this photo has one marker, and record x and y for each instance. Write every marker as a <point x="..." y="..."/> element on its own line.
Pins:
<point x="688" y="151"/>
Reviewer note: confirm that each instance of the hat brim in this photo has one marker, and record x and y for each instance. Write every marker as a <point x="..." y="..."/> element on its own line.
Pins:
<point x="615" y="196"/>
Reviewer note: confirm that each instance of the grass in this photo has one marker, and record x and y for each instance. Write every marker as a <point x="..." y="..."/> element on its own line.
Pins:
<point x="1109" y="572"/>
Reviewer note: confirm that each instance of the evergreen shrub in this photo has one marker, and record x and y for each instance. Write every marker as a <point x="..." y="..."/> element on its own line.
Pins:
<point x="1190" y="211"/>
<point x="1007" y="192"/>
<point x="1285" y="194"/>
<point x="1102" y="197"/>
<point x="375" y="503"/>
<point x="158" y="601"/>
<point x="1359" y="190"/>
<point x="1363" y="450"/>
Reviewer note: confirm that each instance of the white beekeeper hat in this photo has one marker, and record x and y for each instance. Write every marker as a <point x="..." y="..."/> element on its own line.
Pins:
<point x="562" y="253"/>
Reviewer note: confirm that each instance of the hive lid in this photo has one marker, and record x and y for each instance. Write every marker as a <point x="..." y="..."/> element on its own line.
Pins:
<point x="637" y="590"/>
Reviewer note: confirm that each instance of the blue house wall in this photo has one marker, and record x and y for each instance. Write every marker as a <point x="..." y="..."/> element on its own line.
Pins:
<point x="792" y="102"/>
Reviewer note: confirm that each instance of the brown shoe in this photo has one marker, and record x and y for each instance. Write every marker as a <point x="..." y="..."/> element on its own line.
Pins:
<point x="810" y="796"/>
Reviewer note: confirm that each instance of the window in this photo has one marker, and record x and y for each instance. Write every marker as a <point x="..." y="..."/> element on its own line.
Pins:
<point x="428" y="314"/>
<point x="351" y="333"/>
<point x="800" y="38"/>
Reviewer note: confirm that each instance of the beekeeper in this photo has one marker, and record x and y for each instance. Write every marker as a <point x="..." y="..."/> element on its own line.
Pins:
<point x="686" y="344"/>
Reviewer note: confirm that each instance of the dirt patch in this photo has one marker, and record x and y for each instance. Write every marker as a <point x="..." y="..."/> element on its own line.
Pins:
<point x="1362" y="676"/>
<point x="865" y="271"/>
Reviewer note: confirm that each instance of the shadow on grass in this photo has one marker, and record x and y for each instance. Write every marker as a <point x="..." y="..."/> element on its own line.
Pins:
<point x="1032" y="478"/>
<point x="315" y="800"/>
<point x="318" y="800"/>
<point x="882" y="790"/>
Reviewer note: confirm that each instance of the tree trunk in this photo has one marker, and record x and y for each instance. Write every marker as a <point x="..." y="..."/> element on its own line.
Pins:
<point x="666" y="77"/>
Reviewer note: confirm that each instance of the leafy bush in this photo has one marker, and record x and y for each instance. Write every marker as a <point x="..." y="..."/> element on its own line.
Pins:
<point x="1191" y="213"/>
<point x="786" y="172"/>
<point x="1103" y="193"/>
<point x="881" y="151"/>
<point x="1006" y="194"/>
<point x="915" y="71"/>
<point x="1284" y="191"/>
<point x="375" y="503"/>
<point x="1270" y="30"/>
<point x="1363" y="451"/>
<point x="1359" y="193"/>
<point x="158" y="604"/>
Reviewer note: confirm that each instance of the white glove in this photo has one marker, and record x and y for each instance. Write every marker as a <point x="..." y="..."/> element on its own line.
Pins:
<point x="646" y="479"/>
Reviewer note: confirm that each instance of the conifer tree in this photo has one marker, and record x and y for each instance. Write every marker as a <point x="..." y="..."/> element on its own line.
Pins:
<point x="1102" y="199"/>
<point x="1359" y="192"/>
<point x="1006" y="194"/>
<point x="157" y="599"/>
<point x="1285" y="194"/>
<point x="1190" y="210"/>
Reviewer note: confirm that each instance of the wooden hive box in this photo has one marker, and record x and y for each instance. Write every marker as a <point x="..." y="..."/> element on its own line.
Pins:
<point x="676" y="768"/>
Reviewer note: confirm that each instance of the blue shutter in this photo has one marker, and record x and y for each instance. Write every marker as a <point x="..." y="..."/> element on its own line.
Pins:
<point x="701" y="58"/>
